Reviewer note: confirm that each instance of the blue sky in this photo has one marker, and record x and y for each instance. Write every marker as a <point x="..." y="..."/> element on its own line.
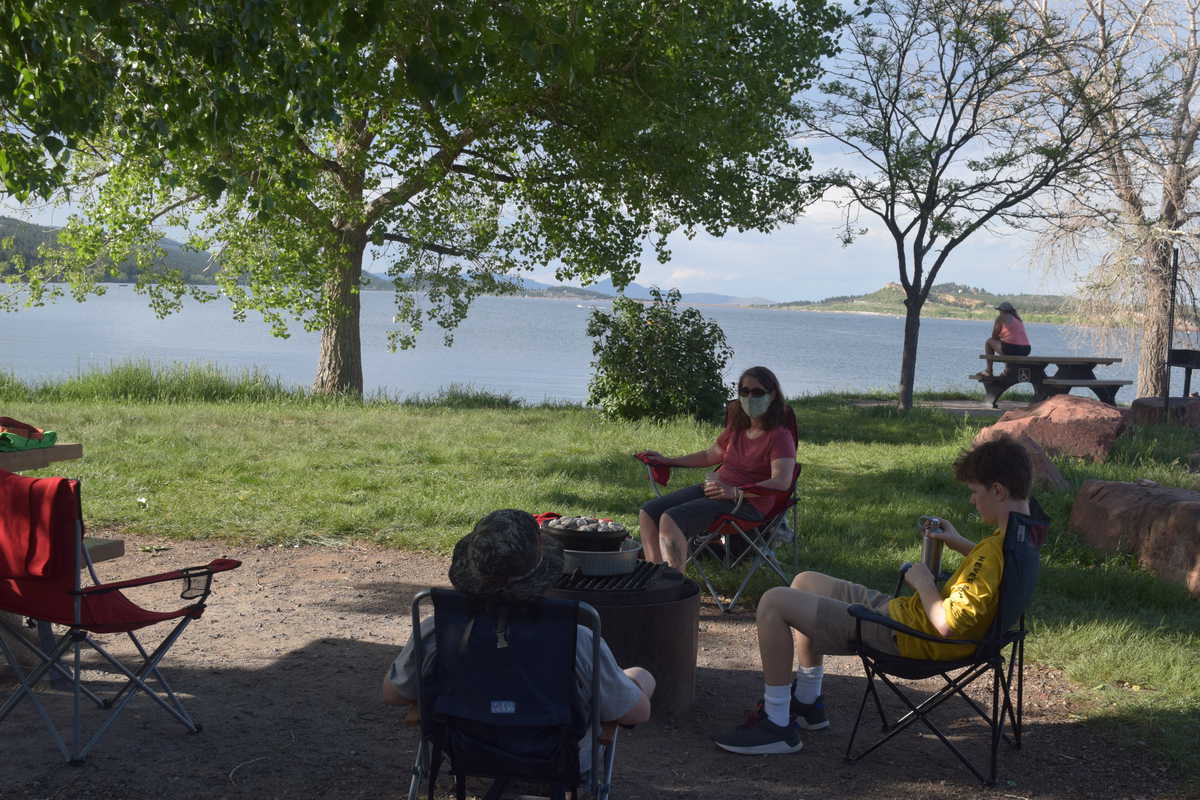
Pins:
<point x="806" y="261"/>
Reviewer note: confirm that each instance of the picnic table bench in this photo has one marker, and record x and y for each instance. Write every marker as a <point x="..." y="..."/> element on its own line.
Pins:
<point x="1070" y="372"/>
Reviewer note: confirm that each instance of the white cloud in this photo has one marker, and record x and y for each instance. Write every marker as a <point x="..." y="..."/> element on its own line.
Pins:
<point x="691" y="276"/>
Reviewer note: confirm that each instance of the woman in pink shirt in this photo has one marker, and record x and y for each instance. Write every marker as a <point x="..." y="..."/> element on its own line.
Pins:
<point x="1008" y="337"/>
<point x="757" y="450"/>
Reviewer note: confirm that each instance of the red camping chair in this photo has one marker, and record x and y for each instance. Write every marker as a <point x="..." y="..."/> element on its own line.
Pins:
<point x="41" y="557"/>
<point x="733" y="536"/>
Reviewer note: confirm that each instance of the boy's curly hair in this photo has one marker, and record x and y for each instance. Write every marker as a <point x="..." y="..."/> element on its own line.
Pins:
<point x="1001" y="460"/>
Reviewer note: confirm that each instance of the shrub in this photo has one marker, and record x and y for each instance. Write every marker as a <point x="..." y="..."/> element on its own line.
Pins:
<point x="656" y="360"/>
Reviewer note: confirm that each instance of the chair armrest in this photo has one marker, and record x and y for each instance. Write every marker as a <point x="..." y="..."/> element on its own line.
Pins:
<point x="864" y="614"/>
<point x="209" y="569"/>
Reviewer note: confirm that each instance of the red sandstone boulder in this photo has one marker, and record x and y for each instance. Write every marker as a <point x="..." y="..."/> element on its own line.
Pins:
<point x="1044" y="471"/>
<point x="1072" y="426"/>
<point x="1159" y="525"/>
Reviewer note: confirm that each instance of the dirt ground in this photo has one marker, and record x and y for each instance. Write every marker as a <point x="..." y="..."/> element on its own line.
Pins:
<point x="284" y="669"/>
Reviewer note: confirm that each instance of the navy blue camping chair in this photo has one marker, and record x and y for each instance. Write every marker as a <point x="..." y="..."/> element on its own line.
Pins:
<point x="501" y="702"/>
<point x="1022" y="538"/>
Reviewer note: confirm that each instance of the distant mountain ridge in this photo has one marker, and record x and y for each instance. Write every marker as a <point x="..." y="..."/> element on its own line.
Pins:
<point x="945" y="299"/>
<point x="197" y="268"/>
<point x="636" y="291"/>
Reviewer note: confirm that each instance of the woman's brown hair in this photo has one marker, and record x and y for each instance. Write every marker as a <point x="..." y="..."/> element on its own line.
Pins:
<point x="735" y="417"/>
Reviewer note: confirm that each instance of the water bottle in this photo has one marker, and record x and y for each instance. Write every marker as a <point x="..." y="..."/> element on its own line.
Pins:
<point x="931" y="549"/>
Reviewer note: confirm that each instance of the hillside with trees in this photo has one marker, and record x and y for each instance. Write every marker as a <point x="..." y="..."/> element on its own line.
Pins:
<point x="27" y="240"/>
<point x="22" y="241"/>
<point x="946" y="300"/>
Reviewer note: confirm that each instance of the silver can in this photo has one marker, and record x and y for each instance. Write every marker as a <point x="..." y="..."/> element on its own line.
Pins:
<point x="931" y="549"/>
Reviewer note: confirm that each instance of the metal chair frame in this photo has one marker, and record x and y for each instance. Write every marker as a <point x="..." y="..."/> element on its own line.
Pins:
<point x="77" y="636"/>
<point x="1022" y="537"/>
<point x="760" y="536"/>
<point x="965" y="672"/>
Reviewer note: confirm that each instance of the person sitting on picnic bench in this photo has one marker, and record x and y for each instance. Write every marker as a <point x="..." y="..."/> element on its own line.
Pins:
<point x="1008" y="337"/>
<point x="756" y="449"/>
<point x="814" y="609"/>
<point x="507" y="557"/>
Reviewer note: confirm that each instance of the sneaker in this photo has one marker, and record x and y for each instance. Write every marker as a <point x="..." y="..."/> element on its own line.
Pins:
<point x="806" y="716"/>
<point x="809" y="716"/>
<point x="759" y="736"/>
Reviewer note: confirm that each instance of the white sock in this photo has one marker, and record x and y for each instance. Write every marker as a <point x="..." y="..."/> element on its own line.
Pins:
<point x="777" y="702"/>
<point x="808" y="684"/>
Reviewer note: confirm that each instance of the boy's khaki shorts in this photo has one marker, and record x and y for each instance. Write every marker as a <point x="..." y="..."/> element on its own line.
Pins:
<point x="832" y="631"/>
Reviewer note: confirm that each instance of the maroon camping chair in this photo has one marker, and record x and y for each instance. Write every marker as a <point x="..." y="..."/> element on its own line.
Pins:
<point x="734" y="536"/>
<point x="41" y="557"/>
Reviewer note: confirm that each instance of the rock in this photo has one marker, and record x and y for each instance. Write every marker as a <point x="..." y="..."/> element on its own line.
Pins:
<point x="1157" y="524"/>
<point x="1044" y="471"/>
<point x="1148" y="411"/>
<point x="1073" y="426"/>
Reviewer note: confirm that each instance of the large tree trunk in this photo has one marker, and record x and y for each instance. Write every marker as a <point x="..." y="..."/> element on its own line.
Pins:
<point x="1152" y="372"/>
<point x="908" y="360"/>
<point x="339" y="370"/>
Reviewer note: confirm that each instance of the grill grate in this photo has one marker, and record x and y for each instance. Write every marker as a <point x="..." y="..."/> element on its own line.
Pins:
<point x="635" y="581"/>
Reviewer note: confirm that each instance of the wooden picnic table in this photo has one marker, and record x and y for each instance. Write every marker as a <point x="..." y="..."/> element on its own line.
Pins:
<point x="1070" y="372"/>
<point x="38" y="458"/>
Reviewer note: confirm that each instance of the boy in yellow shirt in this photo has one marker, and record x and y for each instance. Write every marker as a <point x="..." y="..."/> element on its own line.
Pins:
<point x="814" y="609"/>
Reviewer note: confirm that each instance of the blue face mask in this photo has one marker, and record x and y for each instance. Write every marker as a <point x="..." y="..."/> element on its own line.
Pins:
<point x="756" y="406"/>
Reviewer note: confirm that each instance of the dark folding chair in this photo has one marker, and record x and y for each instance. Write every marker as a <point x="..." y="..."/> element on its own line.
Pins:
<point x="502" y="703"/>
<point x="734" y="536"/>
<point x="41" y="557"/>
<point x="1022" y="538"/>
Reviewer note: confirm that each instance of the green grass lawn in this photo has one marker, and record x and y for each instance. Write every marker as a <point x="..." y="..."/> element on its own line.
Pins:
<point x="288" y="469"/>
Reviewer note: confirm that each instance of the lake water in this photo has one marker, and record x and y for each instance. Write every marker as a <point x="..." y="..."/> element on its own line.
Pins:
<point x="530" y="348"/>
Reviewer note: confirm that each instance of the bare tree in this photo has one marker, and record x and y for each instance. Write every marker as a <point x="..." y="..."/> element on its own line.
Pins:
<point x="1142" y="203"/>
<point x="942" y="105"/>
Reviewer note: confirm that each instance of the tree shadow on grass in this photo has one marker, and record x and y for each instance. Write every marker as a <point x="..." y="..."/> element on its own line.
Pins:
<point x="603" y="467"/>
<point x="828" y="424"/>
<point x="611" y="484"/>
<point x="863" y="526"/>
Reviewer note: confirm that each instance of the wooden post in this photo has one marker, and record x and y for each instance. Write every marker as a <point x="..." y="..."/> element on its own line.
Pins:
<point x="1166" y="392"/>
